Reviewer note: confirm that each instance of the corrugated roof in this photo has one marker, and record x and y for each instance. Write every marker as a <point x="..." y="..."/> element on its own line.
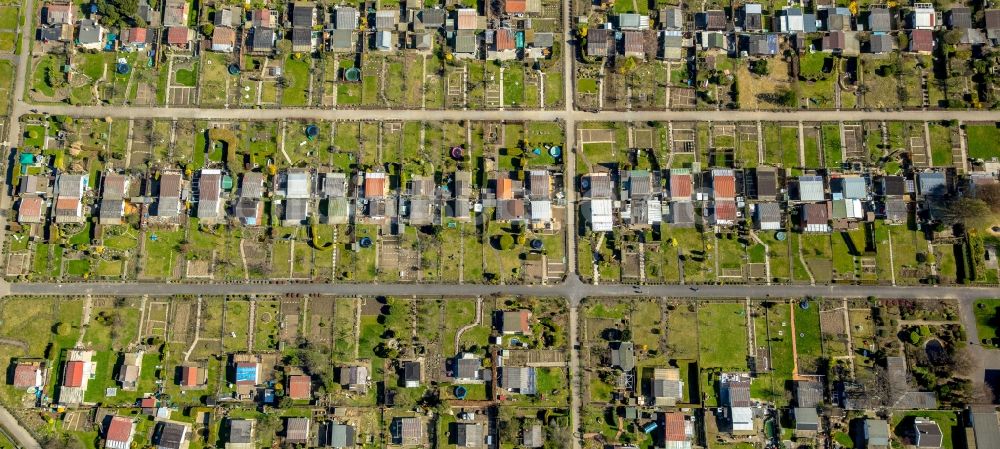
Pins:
<point x="682" y="213"/>
<point x="73" y="377"/>
<point x="30" y="208"/>
<point x="375" y="185"/>
<point x="724" y="211"/>
<point x="297" y="430"/>
<point x="768" y="213"/>
<point x="504" y="39"/>
<point x="119" y="429"/>
<point x="178" y="35"/>
<point x="633" y="42"/>
<point x="26" y="375"/>
<point x="811" y="188"/>
<point x="597" y="185"/>
<point x="680" y="185"/>
<point x="737" y="393"/>
<point x="815" y="214"/>
<point x="466" y="19"/>
<point x="299" y="387"/>
<point x="241" y="431"/>
<point x="723" y="183"/>
<point x="674" y="426"/>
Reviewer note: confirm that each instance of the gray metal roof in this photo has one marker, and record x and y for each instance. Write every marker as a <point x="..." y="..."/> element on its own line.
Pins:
<point x="341" y="435"/>
<point x="346" y="18"/>
<point x="806" y="418"/>
<point x="682" y="213"/>
<point x="879" y="20"/>
<point x="986" y="429"/>
<point x="465" y="41"/>
<point x="811" y="188"/>
<point x="878" y="432"/>
<point x="241" y="431"/>
<point x="623" y="355"/>
<point x="768" y="213"/>
<point x="469" y="434"/>
<point x="302" y="15"/>
<point x="296" y="209"/>
<point x="262" y="39"/>
<point x="386" y="19"/>
<point x="342" y="40"/>
<point x="932" y="184"/>
<point x="90" y="32"/>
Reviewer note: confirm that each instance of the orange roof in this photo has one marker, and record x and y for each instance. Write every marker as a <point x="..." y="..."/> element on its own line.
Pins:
<point x="177" y="35"/>
<point x="223" y="36"/>
<point x="147" y="402"/>
<point x="30" y="207"/>
<point x="725" y="210"/>
<point x="673" y="424"/>
<point x="299" y="387"/>
<point x="25" y="375"/>
<point x="515" y="6"/>
<point x="680" y="185"/>
<point x="189" y="376"/>
<point x="374" y="185"/>
<point x="67" y="203"/>
<point x="505" y="189"/>
<point x="136" y="35"/>
<point x="74" y="374"/>
<point x="119" y="430"/>
<point x="467" y="19"/>
<point x="724" y="186"/>
<point x="504" y="39"/>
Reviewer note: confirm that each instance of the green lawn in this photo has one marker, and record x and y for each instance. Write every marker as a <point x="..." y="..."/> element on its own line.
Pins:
<point x="832" y="147"/>
<point x="47" y="69"/>
<point x="186" y="77"/>
<point x="902" y="425"/>
<point x="940" y="145"/>
<point x="772" y="330"/>
<point x="982" y="140"/>
<point x="513" y="86"/>
<point x="297" y="76"/>
<point x="987" y="320"/>
<point x="586" y="86"/>
<point x="162" y="253"/>
<point x="8" y="17"/>
<point x="808" y="340"/>
<point x="722" y="335"/>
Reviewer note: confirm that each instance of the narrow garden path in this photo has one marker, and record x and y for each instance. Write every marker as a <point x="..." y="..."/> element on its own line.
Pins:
<point x="197" y="330"/>
<point x="85" y="320"/>
<point x="479" y="318"/>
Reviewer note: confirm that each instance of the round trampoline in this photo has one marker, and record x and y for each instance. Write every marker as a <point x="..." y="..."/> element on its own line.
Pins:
<point x="123" y="69"/>
<point x="352" y="74"/>
<point x="537" y="244"/>
<point x="365" y="242"/>
<point x="312" y="131"/>
<point x="555" y="151"/>
<point x="460" y="392"/>
<point x="457" y="153"/>
<point x="234" y="69"/>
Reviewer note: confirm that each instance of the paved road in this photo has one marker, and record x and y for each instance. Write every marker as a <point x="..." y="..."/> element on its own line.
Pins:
<point x="573" y="290"/>
<point x="492" y="115"/>
<point x="21" y="436"/>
